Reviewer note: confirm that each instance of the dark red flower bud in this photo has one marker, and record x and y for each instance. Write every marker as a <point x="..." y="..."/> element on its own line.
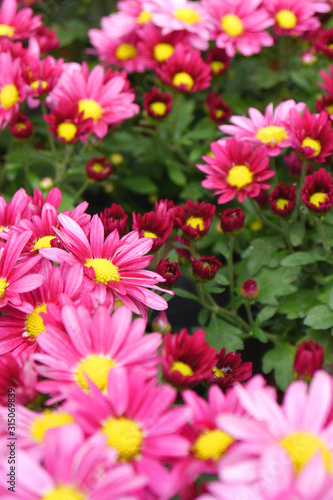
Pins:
<point x="308" y="359"/>
<point x="249" y="290"/>
<point x="194" y="218"/>
<point x="98" y="169"/>
<point x="157" y="104"/>
<point x="20" y="126"/>
<point x="114" y="218"/>
<point x="169" y="271"/>
<point x="232" y="220"/>
<point x="229" y="369"/>
<point x="161" y="323"/>
<point x="283" y="199"/>
<point x="205" y="268"/>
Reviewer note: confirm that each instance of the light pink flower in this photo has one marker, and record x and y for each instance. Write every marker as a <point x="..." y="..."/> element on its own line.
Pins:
<point x="292" y="17"/>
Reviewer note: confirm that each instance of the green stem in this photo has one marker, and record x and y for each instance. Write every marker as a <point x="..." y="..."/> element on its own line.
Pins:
<point x="60" y="168"/>
<point x="322" y="233"/>
<point x="49" y="135"/>
<point x="249" y="312"/>
<point x="264" y="219"/>
<point x="285" y="228"/>
<point x="275" y="179"/>
<point x="80" y="191"/>
<point x="231" y="269"/>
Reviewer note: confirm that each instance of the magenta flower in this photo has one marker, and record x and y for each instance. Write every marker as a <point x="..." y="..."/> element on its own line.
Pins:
<point x="17" y="25"/>
<point x="292" y="17"/>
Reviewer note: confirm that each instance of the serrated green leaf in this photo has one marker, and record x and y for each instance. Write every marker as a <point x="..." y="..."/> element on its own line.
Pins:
<point x="298" y="304"/>
<point x="280" y="359"/>
<point x="265" y="314"/>
<point x="260" y="253"/>
<point x="330" y="299"/>
<point x="185" y="294"/>
<point x="319" y="318"/>
<point x="296" y="233"/>
<point x="259" y="334"/>
<point x="220" y="334"/>
<point x="298" y="259"/>
<point x="203" y="317"/>
<point x="176" y="175"/>
<point x="275" y="283"/>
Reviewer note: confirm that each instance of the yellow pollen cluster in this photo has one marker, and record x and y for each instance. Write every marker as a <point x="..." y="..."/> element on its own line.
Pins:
<point x="187" y="15"/>
<point x="104" y="270"/>
<point x="302" y="446"/>
<point x="44" y="242"/>
<point x="317" y="198"/>
<point x="216" y="66"/>
<point x="6" y="30"/>
<point x="158" y="108"/>
<point x="232" y="25"/>
<point x="98" y="168"/>
<point x="49" y="420"/>
<point x="148" y="234"/>
<point x="211" y="444"/>
<point x="183" y="368"/>
<point x="9" y="96"/>
<point x="125" y="51"/>
<point x="34" y="324"/>
<point x="3" y="286"/>
<point x="38" y="83"/>
<point x="286" y="19"/>
<point x="218" y="372"/>
<point x="183" y="79"/>
<point x="313" y="144"/>
<point x="64" y="493"/>
<point x="271" y="135"/>
<point x="329" y="108"/>
<point x="97" y="369"/>
<point x="162" y="51"/>
<point x="90" y="108"/>
<point x="281" y="203"/>
<point x="144" y="17"/>
<point x="239" y="176"/>
<point x="21" y="126"/>
<point x="67" y="131"/>
<point x="195" y="222"/>
<point x="125" y="436"/>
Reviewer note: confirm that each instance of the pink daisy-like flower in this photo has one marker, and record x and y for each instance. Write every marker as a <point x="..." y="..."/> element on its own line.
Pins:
<point x="68" y="125"/>
<point x="150" y="225"/>
<point x="95" y="344"/>
<point x="229" y="369"/>
<point x="328" y="80"/>
<point x="292" y="17"/>
<point x="115" y="265"/>
<point x="12" y="88"/>
<point x="239" y="25"/>
<point x="157" y="104"/>
<point x="41" y="76"/>
<point x="269" y="129"/>
<point x="37" y="201"/>
<point x="17" y="25"/>
<point x="114" y="217"/>
<point x="46" y="39"/>
<point x="236" y="170"/>
<point x="13" y="211"/>
<point x="317" y="192"/>
<point x="18" y="375"/>
<point x="107" y="103"/>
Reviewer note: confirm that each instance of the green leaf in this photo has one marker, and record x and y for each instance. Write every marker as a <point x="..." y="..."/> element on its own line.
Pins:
<point x="220" y="334"/>
<point x="298" y="304"/>
<point x="319" y="318"/>
<point x="221" y="279"/>
<point x="184" y="111"/>
<point x="221" y="248"/>
<point x="281" y="360"/>
<point x="203" y="317"/>
<point x="259" y="334"/>
<point x="275" y="283"/>
<point x="185" y="294"/>
<point x="296" y="233"/>
<point x="266" y="313"/>
<point x="298" y="259"/>
<point x="330" y="299"/>
<point x="176" y="175"/>
<point x="139" y="184"/>
<point x="260" y="253"/>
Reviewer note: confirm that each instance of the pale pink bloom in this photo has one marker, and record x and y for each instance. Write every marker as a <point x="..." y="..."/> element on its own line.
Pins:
<point x="321" y="5"/>
<point x="292" y="17"/>
<point x="267" y="129"/>
<point x="17" y="25"/>
<point x="13" y="211"/>
<point x="13" y="90"/>
<point x="178" y="15"/>
<point x="238" y="25"/>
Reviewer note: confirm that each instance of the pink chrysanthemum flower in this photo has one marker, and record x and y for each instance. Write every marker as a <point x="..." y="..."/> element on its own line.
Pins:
<point x="229" y="369"/>
<point x="46" y="39"/>
<point x="12" y="88"/>
<point x="37" y="201"/>
<point x="292" y="17"/>
<point x="150" y="225"/>
<point x="107" y="103"/>
<point x="158" y="48"/>
<point x="328" y="80"/>
<point x="236" y="170"/>
<point x="269" y="129"/>
<point x="17" y="25"/>
<point x="13" y="211"/>
<point x="317" y="192"/>
<point x="194" y="218"/>
<point x="68" y="125"/>
<point x="95" y="344"/>
<point x="114" y="217"/>
<point x="283" y="199"/>
<point x="136" y="421"/>
<point x="115" y="266"/>
<point x="179" y="15"/>
<point x="41" y="76"/>
<point x="239" y="25"/>
<point x="157" y="104"/>
<point x="18" y="375"/>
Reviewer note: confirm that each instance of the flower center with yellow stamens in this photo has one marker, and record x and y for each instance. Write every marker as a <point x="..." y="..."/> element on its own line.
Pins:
<point x="64" y="493"/>
<point x="158" y="108"/>
<point x="125" y="51"/>
<point x="183" y="79"/>
<point x="67" y="131"/>
<point x="90" y="108"/>
<point x="6" y="30"/>
<point x="286" y="19"/>
<point x="329" y="109"/>
<point x="3" y="286"/>
<point x="313" y="144"/>
<point x="38" y="83"/>
<point x="162" y="51"/>
<point x="302" y="446"/>
<point x="49" y="420"/>
<point x="98" y="168"/>
<point x="9" y="96"/>
<point x="125" y="436"/>
<point x="144" y="17"/>
<point x="148" y="234"/>
<point x="34" y="324"/>
<point x="195" y="222"/>
<point x="317" y="198"/>
<point x="21" y="126"/>
<point x="232" y="25"/>
<point x="183" y="368"/>
<point x="239" y="176"/>
<point x="187" y="15"/>
<point x="104" y="270"/>
<point x="218" y="113"/>
<point x="271" y="134"/>
<point x="281" y="203"/>
<point x="97" y="369"/>
<point x="218" y="372"/>
<point x="216" y="66"/>
<point x="212" y="444"/>
<point x="44" y="242"/>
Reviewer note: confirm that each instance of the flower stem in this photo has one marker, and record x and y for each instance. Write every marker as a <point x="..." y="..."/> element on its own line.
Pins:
<point x="231" y="269"/>
<point x="249" y="312"/>
<point x="322" y="233"/>
<point x="49" y="135"/>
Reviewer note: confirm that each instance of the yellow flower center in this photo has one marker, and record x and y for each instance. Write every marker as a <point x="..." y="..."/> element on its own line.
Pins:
<point x="286" y="19"/>
<point x="313" y="144"/>
<point x="183" y="368"/>
<point x="3" y="286"/>
<point x="9" y="96"/>
<point x="256" y="225"/>
<point x="34" y="324"/>
<point x="67" y="131"/>
<point x="211" y="444"/>
<point x="37" y="83"/>
<point x="183" y="79"/>
<point x="218" y="372"/>
<point x="6" y="30"/>
<point x="125" y="436"/>
<point x="187" y="15"/>
<point x="97" y="369"/>
<point x="63" y="493"/>
<point x="21" y="126"/>
<point x="159" y="108"/>
<point x="317" y="198"/>
<point x="148" y="234"/>
<point x="90" y="108"/>
<point x="301" y="446"/>
<point x="104" y="270"/>
<point x="239" y="176"/>
<point x="162" y="51"/>
<point x="271" y="134"/>
<point x="232" y="25"/>
<point x="98" y="167"/>
<point x="218" y="113"/>
<point x="281" y="203"/>
<point x="329" y="108"/>
<point x="44" y="242"/>
<point x="217" y="66"/>
<point x="49" y="420"/>
<point x="125" y="51"/>
<point x="195" y="222"/>
<point x="144" y="17"/>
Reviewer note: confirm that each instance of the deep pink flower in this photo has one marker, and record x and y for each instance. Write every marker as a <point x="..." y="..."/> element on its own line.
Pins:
<point x="194" y="218"/>
<point x="20" y="126"/>
<point x="67" y="124"/>
<point x="292" y="17"/>
<point x="232" y="220"/>
<point x="13" y="90"/>
<point x="219" y="111"/>
<point x="218" y="61"/>
<point x="205" y="268"/>
<point x="309" y="358"/>
<point x="18" y="373"/>
<point x="229" y="369"/>
<point x="114" y="218"/>
<point x="98" y="169"/>
<point x="249" y="289"/>
<point x="169" y="271"/>
<point x="317" y="193"/>
<point x="157" y="104"/>
<point x="47" y="39"/>
<point x="150" y="225"/>
<point x="17" y="25"/>
<point x="283" y="199"/>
